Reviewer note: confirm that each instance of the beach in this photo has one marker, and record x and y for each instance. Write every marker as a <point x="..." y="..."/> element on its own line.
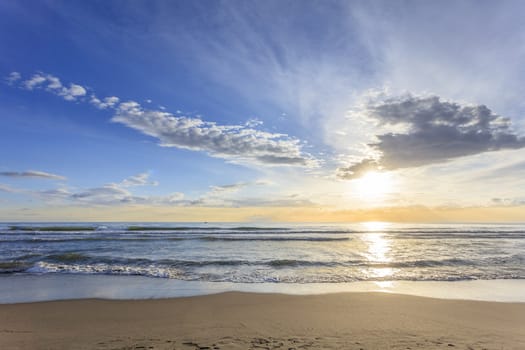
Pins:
<point x="236" y="320"/>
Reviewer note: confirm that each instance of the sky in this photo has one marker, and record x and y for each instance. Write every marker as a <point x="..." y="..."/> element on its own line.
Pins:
<point x="262" y="111"/>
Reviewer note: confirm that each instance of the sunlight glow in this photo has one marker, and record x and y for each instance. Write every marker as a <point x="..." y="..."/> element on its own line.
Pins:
<point x="384" y="284"/>
<point x="376" y="225"/>
<point x="378" y="249"/>
<point x="374" y="186"/>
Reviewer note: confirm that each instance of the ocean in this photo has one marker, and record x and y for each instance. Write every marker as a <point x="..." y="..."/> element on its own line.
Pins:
<point x="267" y="253"/>
<point x="263" y="254"/>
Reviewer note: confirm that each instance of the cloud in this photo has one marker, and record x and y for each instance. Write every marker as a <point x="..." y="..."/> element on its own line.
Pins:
<point x="253" y="122"/>
<point x="32" y="174"/>
<point x="218" y="195"/>
<point x="107" y="102"/>
<point x="54" y="85"/>
<point x="286" y="201"/>
<point x="12" y="78"/>
<point x="239" y="143"/>
<point x="138" y="180"/>
<point x="511" y="202"/>
<point x="107" y="194"/>
<point x="35" y="81"/>
<point x="71" y="93"/>
<point x="431" y="131"/>
<point x="8" y="189"/>
<point x="358" y="169"/>
<point x="228" y="188"/>
<point x="235" y="143"/>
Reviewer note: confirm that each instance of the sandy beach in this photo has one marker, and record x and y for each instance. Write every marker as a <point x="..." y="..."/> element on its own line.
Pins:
<point x="265" y="321"/>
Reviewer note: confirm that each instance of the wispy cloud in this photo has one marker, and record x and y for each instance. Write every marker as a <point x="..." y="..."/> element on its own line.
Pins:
<point x="138" y="180"/>
<point x="229" y="196"/>
<point x="466" y="51"/>
<point x="32" y="174"/>
<point x="430" y="131"/>
<point x="311" y="77"/>
<point x="12" y="78"/>
<point x="8" y="189"/>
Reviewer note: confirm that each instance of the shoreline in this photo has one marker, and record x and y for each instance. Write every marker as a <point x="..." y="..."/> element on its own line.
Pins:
<point x="237" y="320"/>
<point x="52" y="287"/>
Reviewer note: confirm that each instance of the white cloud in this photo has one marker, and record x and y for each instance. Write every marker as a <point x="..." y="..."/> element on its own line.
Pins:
<point x="54" y="85"/>
<point x="253" y="122"/>
<point x="71" y="93"/>
<point x="130" y="107"/>
<point x="138" y="180"/>
<point x="12" y="78"/>
<point x="53" y="82"/>
<point x="107" y="102"/>
<point x="35" y="81"/>
<point x="233" y="142"/>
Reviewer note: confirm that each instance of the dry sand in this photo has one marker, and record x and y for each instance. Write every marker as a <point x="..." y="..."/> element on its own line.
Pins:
<point x="265" y="321"/>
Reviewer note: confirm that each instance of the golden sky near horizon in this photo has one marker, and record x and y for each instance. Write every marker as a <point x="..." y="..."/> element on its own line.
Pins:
<point x="270" y="214"/>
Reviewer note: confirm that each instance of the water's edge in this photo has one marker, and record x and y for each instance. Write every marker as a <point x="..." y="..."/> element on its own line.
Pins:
<point x="35" y="288"/>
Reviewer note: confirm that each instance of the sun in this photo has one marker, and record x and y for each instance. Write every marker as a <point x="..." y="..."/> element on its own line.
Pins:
<point x="374" y="186"/>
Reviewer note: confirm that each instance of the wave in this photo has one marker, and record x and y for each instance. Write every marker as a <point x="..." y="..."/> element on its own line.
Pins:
<point x="160" y="238"/>
<point x="14" y="266"/>
<point x="313" y="239"/>
<point x="154" y="270"/>
<point x="204" y="228"/>
<point x="462" y="235"/>
<point x="516" y="260"/>
<point x="52" y="228"/>
<point x="108" y="269"/>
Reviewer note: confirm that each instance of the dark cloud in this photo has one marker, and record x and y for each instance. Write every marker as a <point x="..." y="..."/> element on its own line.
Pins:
<point x="509" y="202"/>
<point x="358" y="169"/>
<point x="434" y="131"/>
<point x="32" y="174"/>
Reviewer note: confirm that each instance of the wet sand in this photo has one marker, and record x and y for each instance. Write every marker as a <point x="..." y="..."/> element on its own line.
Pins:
<point x="265" y="321"/>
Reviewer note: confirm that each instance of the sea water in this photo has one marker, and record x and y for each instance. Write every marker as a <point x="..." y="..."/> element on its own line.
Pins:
<point x="263" y="257"/>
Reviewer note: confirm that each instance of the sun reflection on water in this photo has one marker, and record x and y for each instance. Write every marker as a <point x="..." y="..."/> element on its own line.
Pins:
<point x="378" y="247"/>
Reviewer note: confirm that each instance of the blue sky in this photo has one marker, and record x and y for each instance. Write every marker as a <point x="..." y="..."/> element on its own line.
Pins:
<point x="320" y="105"/>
